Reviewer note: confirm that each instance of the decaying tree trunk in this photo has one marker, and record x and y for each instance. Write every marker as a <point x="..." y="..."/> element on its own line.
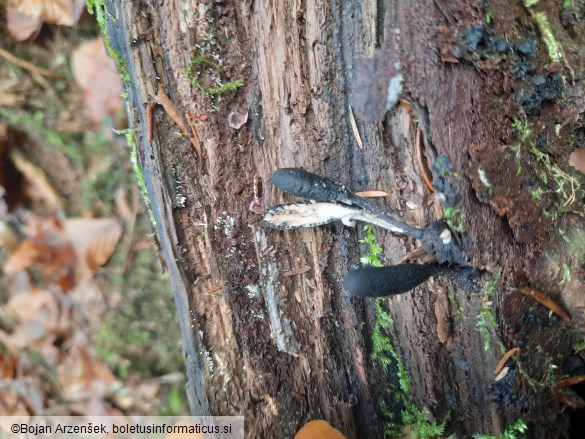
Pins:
<point x="284" y="348"/>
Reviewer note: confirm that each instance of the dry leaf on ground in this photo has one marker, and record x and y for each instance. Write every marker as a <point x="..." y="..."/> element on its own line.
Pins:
<point x="84" y="378"/>
<point x="9" y="239"/>
<point x="41" y="188"/>
<point x="68" y="251"/>
<point x="95" y="73"/>
<point x="20" y="398"/>
<point x="21" y="26"/>
<point x="51" y="249"/>
<point x="63" y="12"/>
<point x="39" y="324"/>
<point x="94" y="241"/>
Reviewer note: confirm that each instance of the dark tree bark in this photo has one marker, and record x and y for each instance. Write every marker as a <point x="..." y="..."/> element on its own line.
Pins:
<point x="284" y="349"/>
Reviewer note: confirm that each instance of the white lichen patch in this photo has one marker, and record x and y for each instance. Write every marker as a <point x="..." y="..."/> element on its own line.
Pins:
<point x="225" y="223"/>
<point x="483" y="178"/>
<point x="394" y="91"/>
<point x="253" y="291"/>
<point x="204" y="354"/>
<point x="258" y="315"/>
<point x="180" y="200"/>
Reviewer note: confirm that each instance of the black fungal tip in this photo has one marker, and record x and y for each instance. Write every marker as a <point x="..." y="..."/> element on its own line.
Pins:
<point x="304" y="184"/>
<point x="526" y="47"/>
<point x="386" y="281"/>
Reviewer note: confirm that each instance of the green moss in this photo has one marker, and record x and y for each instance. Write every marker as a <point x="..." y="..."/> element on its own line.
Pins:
<point x="98" y="8"/>
<point x="564" y="187"/>
<point x="566" y="273"/>
<point x="553" y="47"/>
<point x="372" y="256"/>
<point x="485" y="322"/>
<point x="457" y="311"/>
<point x="579" y="346"/>
<point x="131" y="139"/>
<point x="385" y="356"/>
<point x="220" y="87"/>
<point x="518" y="427"/>
<point x="455" y="219"/>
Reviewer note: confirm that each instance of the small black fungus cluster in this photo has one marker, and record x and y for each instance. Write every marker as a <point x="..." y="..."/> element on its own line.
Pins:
<point x="504" y="390"/>
<point x="477" y="40"/>
<point x="530" y="318"/>
<point x="525" y="47"/>
<point x="541" y="88"/>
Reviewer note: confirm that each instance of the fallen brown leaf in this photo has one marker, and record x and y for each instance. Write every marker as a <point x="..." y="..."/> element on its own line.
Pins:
<point x="38" y="180"/>
<point x="68" y="251"/>
<point x="443" y="318"/>
<point x="21" y="26"/>
<point x="95" y="72"/>
<point x="94" y="241"/>
<point x="83" y="376"/>
<point x="51" y="249"/>
<point x="62" y="12"/>
<point x="9" y="240"/>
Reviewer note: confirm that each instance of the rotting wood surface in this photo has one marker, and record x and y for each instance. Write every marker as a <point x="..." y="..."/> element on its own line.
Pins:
<point x="279" y="349"/>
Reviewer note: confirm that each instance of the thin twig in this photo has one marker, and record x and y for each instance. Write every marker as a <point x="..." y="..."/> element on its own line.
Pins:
<point x="195" y="138"/>
<point x="505" y="358"/>
<point x="171" y="110"/>
<point x="216" y="288"/>
<point x="354" y="128"/>
<point x="545" y="301"/>
<point x="27" y="65"/>
<point x="299" y="270"/>
<point x="419" y="157"/>
<point x="372" y="194"/>
<point x="571" y="381"/>
<point x="149" y="121"/>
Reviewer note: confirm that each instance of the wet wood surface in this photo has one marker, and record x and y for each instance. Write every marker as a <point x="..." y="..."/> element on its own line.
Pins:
<point x="265" y="336"/>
